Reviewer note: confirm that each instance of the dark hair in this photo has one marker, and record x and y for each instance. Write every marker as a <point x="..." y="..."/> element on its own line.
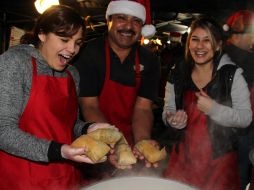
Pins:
<point x="213" y="28"/>
<point x="27" y="38"/>
<point x="60" y="20"/>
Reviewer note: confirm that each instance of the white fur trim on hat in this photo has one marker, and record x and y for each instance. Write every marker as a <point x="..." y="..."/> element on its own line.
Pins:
<point x="148" y="30"/>
<point x="127" y="7"/>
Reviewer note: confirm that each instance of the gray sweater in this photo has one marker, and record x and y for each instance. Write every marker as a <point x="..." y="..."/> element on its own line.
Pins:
<point x="15" y="85"/>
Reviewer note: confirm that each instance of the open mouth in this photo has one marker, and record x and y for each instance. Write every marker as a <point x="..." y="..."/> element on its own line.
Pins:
<point x="200" y="53"/>
<point x="64" y="59"/>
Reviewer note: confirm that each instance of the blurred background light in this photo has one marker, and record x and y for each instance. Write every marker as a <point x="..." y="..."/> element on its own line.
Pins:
<point x="42" y="5"/>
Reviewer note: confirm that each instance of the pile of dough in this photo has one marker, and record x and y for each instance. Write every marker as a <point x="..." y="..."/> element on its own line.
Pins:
<point x="150" y="152"/>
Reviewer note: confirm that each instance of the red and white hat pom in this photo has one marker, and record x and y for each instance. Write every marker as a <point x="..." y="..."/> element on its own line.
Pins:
<point x="148" y="30"/>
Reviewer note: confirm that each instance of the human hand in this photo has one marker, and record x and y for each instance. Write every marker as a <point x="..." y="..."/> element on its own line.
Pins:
<point x="113" y="159"/>
<point x="177" y="120"/>
<point x="77" y="154"/>
<point x="140" y="156"/>
<point x="204" y="102"/>
<point x="95" y="126"/>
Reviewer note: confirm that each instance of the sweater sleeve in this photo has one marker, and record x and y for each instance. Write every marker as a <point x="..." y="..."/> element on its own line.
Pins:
<point x="240" y="114"/>
<point x="15" y="85"/>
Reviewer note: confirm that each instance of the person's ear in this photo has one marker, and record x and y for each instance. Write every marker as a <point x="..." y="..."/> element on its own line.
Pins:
<point x="42" y="37"/>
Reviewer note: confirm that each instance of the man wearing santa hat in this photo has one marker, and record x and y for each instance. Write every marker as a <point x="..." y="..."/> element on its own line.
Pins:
<point x="239" y="29"/>
<point x="118" y="77"/>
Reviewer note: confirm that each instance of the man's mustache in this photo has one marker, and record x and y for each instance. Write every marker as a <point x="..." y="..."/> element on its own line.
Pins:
<point x="127" y="31"/>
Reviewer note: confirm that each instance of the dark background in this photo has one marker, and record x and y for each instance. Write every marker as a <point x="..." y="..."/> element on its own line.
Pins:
<point x="167" y="15"/>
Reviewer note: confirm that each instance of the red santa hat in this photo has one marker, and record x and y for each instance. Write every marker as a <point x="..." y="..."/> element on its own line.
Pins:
<point x="137" y="8"/>
<point x="240" y="22"/>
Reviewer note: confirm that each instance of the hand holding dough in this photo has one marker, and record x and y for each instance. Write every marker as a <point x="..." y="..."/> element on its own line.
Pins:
<point x="95" y="150"/>
<point x="124" y="154"/>
<point x="150" y="152"/>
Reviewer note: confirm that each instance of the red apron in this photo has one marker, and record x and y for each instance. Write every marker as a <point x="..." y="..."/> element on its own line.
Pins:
<point x="194" y="164"/>
<point x="51" y="113"/>
<point x="117" y="101"/>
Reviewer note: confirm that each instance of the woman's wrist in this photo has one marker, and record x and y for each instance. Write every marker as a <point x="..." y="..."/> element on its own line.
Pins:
<point x="54" y="152"/>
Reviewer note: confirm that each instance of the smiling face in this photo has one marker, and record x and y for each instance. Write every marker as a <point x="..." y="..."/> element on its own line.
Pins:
<point x="124" y="30"/>
<point x="201" y="46"/>
<point x="58" y="50"/>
